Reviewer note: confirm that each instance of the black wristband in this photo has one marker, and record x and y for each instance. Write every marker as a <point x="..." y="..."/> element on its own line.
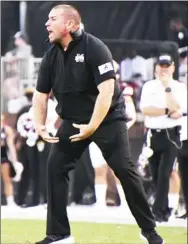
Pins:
<point x="166" y="110"/>
<point x="169" y="114"/>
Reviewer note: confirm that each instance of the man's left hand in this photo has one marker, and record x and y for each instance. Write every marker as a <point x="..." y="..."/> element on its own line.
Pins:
<point x="176" y="115"/>
<point x="85" y="132"/>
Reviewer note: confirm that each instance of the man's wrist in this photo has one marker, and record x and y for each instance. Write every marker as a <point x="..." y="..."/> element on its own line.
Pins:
<point x="94" y="126"/>
<point x="168" y="89"/>
<point x="40" y="128"/>
<point x="169" y="115"/>
<point x="167" y="111"/>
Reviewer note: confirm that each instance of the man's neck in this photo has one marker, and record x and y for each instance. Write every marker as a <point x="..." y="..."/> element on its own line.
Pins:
<point x="65" y="42"/>
<point x="166" y="83"/>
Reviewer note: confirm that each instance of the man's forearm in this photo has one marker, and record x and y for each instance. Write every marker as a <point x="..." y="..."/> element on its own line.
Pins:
<point x="171" y="102"/>
<point x="40" y="111"/>
<point x="102" y="106"/>
<point x="153" y="111"/>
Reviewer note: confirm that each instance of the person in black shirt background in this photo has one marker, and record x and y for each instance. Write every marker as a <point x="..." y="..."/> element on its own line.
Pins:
<point x="79" y="69"/>
<point x="179" y="29"/>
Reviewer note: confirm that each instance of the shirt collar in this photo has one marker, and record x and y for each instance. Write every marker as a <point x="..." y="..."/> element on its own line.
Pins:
<point x="171" y="82"/>
<point x="73" y="43"/>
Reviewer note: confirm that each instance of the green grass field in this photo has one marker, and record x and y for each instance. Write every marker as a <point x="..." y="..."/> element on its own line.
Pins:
<point x="29" y="231"/>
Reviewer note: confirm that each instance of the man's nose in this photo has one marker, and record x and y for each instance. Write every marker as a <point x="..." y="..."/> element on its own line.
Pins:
<point x="47" y="23"/>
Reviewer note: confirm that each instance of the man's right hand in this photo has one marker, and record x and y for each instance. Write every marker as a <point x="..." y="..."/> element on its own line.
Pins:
<point x="46" y="136"/>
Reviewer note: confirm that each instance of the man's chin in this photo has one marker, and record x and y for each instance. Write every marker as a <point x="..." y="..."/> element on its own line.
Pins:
<point x="52" y="40"/>
<point x="163" y="78"/>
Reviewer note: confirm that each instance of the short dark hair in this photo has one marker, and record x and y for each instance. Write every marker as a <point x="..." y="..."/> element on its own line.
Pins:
<point x="72" y="11"/>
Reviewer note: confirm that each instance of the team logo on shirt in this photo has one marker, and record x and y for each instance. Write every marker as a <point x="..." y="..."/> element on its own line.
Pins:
<point x="79" y="58"/>
<point x="104" y="68"/>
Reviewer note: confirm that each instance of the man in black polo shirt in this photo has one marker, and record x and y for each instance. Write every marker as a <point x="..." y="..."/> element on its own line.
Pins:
<point x="79" y="70"/>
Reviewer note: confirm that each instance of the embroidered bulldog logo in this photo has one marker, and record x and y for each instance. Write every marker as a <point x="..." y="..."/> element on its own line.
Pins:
<point x="79" y="58"/>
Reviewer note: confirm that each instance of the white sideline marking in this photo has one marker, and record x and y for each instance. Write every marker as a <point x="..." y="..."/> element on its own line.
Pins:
<point x="94" y="214"/>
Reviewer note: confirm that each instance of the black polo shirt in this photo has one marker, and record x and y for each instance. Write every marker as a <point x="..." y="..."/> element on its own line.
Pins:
<point x="74" y="75"/>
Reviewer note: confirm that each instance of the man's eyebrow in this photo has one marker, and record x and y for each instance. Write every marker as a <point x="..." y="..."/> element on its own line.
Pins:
<point x="52" y="16"/>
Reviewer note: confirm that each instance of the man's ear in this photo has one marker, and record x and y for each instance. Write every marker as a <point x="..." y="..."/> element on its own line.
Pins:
<point x="69" y="25"/>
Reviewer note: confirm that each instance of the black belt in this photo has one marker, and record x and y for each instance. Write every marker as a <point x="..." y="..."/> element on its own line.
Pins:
<point x="163" y="130"/>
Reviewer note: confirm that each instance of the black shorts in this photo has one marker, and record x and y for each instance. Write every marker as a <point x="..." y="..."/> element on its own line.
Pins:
<point x="12" y="170"/>
<point x="5" y="160"/>
<point x="4" y="157"/>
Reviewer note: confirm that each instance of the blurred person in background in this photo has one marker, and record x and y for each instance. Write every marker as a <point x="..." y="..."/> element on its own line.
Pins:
<point x="10" y="91"/>
<point x="133" y="70"/>
<point x="178" y="28"/>
<point x="8" y="168"/>
<point x="162" y="102"/>
<point x="19" y="59"/>
<point x="28" y="154"/>
<point x="132" y="66"/>
<point x="52" y="123"/>
<point x="174" y="189"/>
<point x="33" y="152"/>
<point x="183" y="63"/>
<point x="22" y="48"/>
<point x="145" y="173"/>
<point x="24" y="99"/>
<point x="128" y="93"/>
<point x="183" y="161"/>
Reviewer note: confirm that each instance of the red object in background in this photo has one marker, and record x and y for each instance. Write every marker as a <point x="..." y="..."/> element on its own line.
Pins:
<point x="128" y="89"/>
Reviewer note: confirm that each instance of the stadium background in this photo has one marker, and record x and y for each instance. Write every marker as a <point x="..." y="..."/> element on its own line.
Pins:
<point x="142" y="25"/>
<point x="114" y="20"/>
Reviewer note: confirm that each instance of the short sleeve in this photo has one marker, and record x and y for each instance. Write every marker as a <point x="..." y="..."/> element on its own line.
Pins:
<point x="44" y="83"/>
<point x="182" y="98"/>
<point x="100" y="58"/>
<point x="146" y="96"/>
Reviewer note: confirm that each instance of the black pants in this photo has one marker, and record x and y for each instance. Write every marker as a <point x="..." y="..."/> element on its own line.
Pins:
<point x="112" y="139"/>
<point x="42" y="160"/>
<point x="183" y="168"/>
<point x="30" y="176"/>
<point x="161" y="163"/>
<point x="82" y="182"/>
<point x="33" y="176"/>
<point x="22" y="186"/>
